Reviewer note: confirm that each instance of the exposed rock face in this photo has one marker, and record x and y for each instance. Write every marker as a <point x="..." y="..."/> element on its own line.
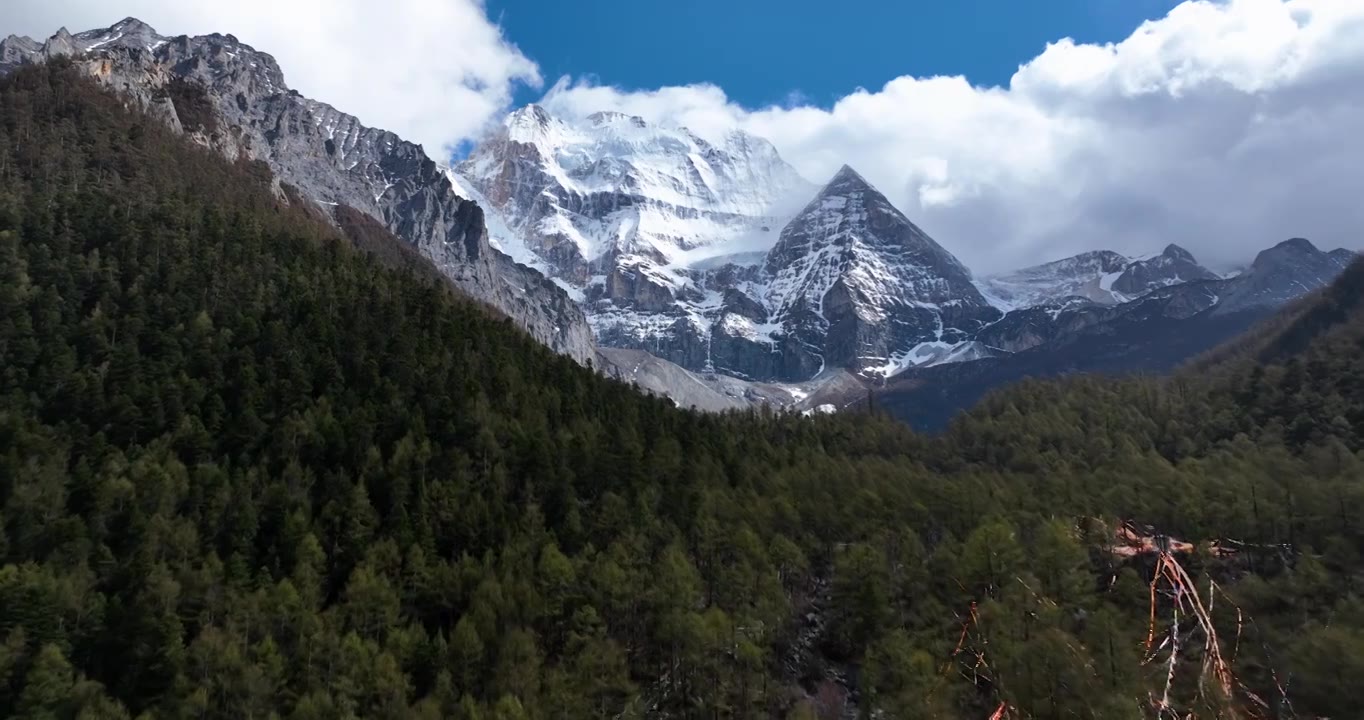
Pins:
<point x="715" y="392"/>
<point x="1030" y="327"/>
<point x="1100" y="276"/>
<point x="1283" y="273"/>
<point x="660" y="236"/>
<point x="1088" y="275"/>
<point x="1173" y="266"/>
<point x="855" y="284"/>
<point x="1278" y="276"/>
<point x="330" y="156"/>
<point x="15" y="50"/>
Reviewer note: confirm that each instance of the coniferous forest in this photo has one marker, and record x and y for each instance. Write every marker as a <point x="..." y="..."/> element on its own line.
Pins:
<point x="253" y="468"/>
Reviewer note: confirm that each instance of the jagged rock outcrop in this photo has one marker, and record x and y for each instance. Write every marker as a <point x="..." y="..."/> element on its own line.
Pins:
<point x="1283" y="273"/>
<point x="855" y="284"/>
<point x="330" y="156"/>
<point x="1278" y="276"/>
<point x="1088" y="275"/>
<point x="1100" y="276"/>
<point x="1172" y="266"/>
<point x="15" y="51"/>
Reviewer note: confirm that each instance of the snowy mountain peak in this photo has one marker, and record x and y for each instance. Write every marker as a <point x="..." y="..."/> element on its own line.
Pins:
<point x="128" y="33"/>
<point x="1089" y="275"/>
<point x="531" y="113"/>
<point x="1281" y="273"/>
<point x="590" y="193"/>
<point x="848" y="184"/>
<point x="852" y="275"/>
<point x="531" y="125"/>
<point x="1174" y="265"/>
<point x="1175" y="253"/>
<point x="132" y="25"/>
<point x="1100" y="276"/>
<point x="850" y="212"/>
<point x="848" y="177"/>
<point x="599" y="119"/>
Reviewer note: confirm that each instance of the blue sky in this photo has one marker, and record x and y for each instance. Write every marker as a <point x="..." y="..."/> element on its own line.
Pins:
<point x="763" y="51"/>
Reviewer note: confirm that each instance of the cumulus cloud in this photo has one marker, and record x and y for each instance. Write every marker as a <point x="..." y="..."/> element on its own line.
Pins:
<point x="1224" y="127"/>
<point x="434" y="71"/>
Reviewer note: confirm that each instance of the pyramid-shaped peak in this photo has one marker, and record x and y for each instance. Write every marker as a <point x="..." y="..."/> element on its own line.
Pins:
<point x="846" y="175"/>
<point x="531" y="113"/>
<point x="848" y="182"/>
<point x="530" y="124"/>
<point x="1299" y="244"/>
<point x="1289" y="251"/>
<point x="1174" y="251"/>
<point x="60" y="44"/>
<point x="849" y="211"/>
<point x="133" y="25"/>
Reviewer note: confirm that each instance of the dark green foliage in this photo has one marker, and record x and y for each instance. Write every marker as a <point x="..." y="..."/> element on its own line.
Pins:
<point x="192" y="105"/>
<point x="249" y="470"/>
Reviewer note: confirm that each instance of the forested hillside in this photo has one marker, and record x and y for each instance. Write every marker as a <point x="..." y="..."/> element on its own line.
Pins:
<point x="251" y="470"/>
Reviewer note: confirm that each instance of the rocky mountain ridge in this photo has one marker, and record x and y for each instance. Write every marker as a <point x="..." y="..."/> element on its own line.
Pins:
<point x="1100" y="276"/>
<point x="329" y="156"/>
<point x="1283" y="273"/>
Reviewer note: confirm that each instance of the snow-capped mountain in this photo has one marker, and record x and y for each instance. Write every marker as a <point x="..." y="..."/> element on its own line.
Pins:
<point x="856" y="284"/>
<point x="1152" y="333"/>
<point x="652" y="228"/>
<point x="1172" y="266"/>
<point x="692" y="252"/>
<point x="684" y="249"/>
<point x="1088" y="275"/>
<point x="1100" y="276"/>
<point x="1279" y="275"/>
<point x="613" y="193"/>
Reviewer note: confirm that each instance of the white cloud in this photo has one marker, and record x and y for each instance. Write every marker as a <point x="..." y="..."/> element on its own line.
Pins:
<point x="1224" y="127"/>
<point x="434" y="71"/>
